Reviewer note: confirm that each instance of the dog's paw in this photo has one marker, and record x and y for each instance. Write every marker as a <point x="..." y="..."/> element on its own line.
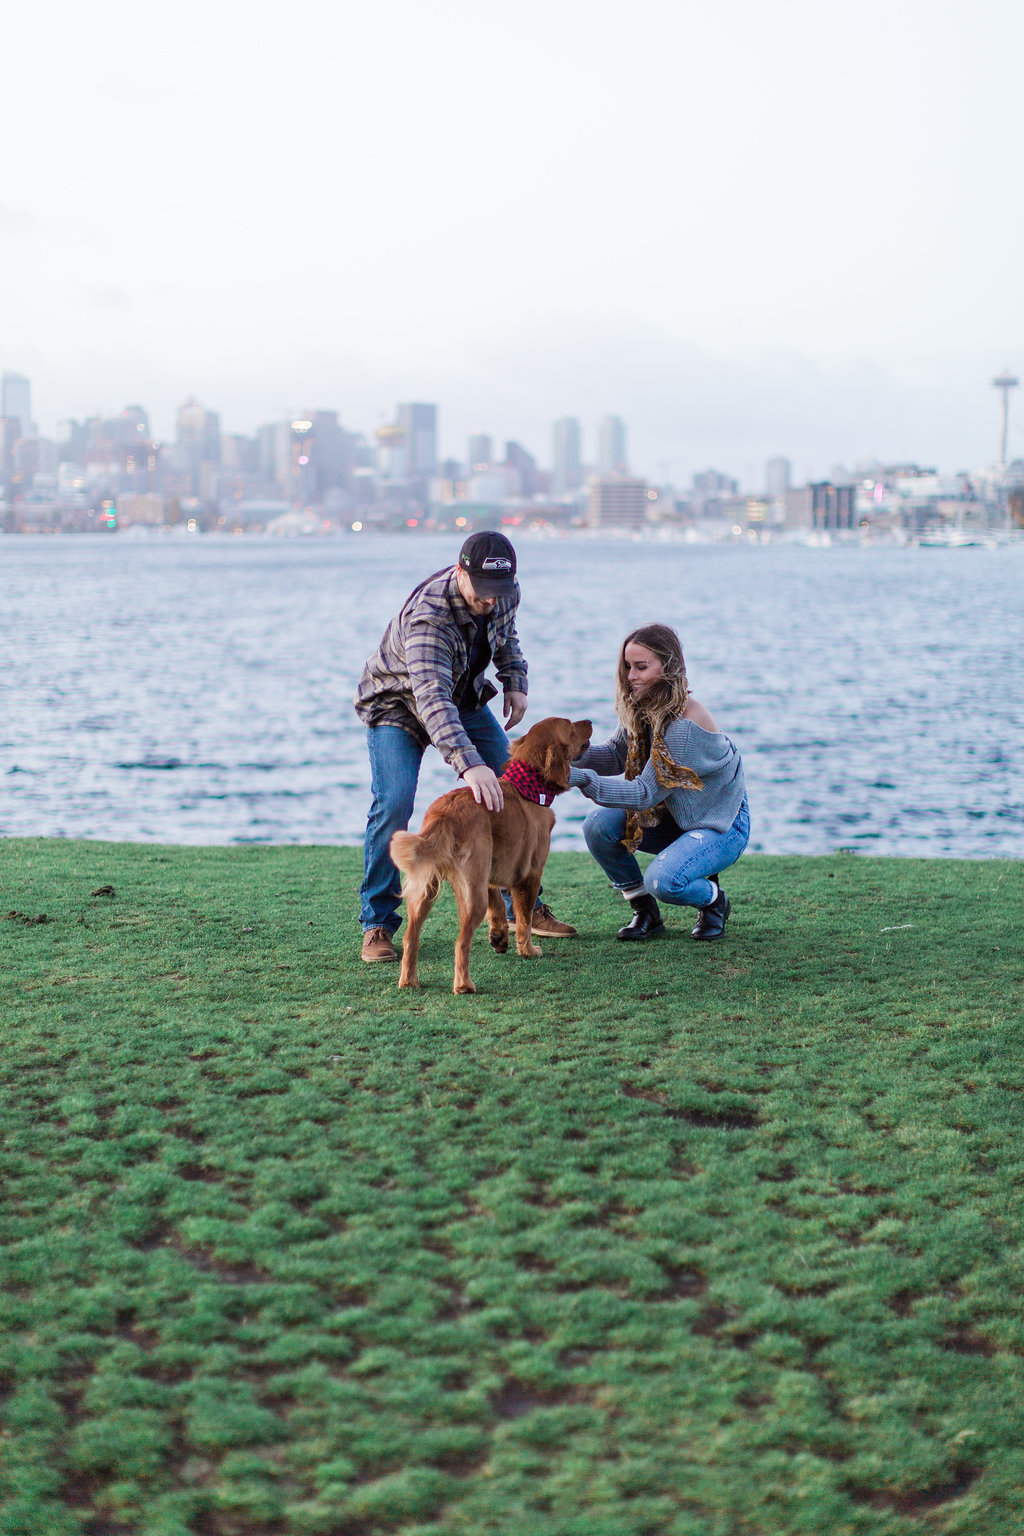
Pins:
<point x="529" y="952"/>
<point x="499" y="942"/>
<point x="408" y="981"/>
<point x="463" y="987"/>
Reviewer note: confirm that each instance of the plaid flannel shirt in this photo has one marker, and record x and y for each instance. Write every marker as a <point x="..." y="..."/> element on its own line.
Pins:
<point x="417" y="676"/>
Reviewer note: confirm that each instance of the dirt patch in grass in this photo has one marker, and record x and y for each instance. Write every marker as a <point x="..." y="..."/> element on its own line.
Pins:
<point x="916" y="1501"/>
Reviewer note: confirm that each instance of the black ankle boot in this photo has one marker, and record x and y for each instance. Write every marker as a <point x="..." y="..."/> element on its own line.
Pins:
<point x="711" y="922"/>
<point x="645" y="922"/>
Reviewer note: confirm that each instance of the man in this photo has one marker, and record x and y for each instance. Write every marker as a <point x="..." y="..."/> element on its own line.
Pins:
<point x="425" y="683"/>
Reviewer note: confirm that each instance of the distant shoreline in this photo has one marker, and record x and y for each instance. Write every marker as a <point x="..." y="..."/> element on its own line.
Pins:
<point x="724" y="537"/>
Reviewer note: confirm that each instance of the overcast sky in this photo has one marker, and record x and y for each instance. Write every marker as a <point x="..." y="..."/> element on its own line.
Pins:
<point x="746" y="227"/>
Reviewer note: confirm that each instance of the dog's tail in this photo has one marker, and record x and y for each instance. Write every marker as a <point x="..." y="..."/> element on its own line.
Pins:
<point x="409" y="851"/>
<point x="438" y="853"/>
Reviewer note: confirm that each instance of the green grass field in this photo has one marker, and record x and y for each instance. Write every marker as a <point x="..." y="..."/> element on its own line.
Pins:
<point x="665" y="1240"/>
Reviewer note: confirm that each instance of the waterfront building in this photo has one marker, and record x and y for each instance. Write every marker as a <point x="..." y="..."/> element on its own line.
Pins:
<point x="611" y="447"/>
<point x="481" y="453"/>
<point x="617" y="501"/>
<point x="822" y="506"/>
<point x="567" y="475"/>
<point x="143" y="509"/>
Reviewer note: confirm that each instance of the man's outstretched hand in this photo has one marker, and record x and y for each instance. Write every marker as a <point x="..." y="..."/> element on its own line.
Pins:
<point x="483" y="781"/>
<point x="515" y="709"/>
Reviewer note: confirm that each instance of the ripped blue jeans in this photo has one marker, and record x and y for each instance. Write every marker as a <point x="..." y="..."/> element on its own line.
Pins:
<point x="678" y="874"/>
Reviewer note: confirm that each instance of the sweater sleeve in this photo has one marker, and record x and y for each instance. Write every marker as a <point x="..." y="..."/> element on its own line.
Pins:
<point x="685" y="746"/>
<point x="607" y="757"/>
<point x="631" y="794"/>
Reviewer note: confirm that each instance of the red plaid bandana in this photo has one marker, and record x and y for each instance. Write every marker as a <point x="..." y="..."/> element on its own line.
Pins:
<point x="530" y="784"/>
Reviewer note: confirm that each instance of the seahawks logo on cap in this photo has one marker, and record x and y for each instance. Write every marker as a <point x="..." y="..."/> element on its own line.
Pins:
<point x="492" y="563"/>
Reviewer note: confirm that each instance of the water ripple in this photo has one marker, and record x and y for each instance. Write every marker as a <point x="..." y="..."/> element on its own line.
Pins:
<point x="201" y="692"/>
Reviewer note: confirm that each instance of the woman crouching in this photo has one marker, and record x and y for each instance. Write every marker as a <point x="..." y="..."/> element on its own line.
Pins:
<point x="669" y="782"/>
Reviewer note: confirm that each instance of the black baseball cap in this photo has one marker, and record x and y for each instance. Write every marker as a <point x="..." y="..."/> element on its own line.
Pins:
<point x="489" y="561"/>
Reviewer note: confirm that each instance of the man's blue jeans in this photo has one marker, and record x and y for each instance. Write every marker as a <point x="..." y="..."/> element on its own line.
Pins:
<point x="395" y="758"/>
<point x="684" y="860"/>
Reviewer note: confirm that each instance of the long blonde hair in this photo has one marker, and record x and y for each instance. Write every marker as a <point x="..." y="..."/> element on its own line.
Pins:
<point x="645" y="720"/>
<point x="660" y="701"/>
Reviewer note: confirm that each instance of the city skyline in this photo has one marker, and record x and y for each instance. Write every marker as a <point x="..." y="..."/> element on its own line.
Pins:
<point x="721" y="433"/>
<point x="735" y="229"/>
<point x="595" y="446"/>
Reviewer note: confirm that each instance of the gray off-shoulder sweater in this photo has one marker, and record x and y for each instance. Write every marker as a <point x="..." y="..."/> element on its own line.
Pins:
<point x="711" y="755"/>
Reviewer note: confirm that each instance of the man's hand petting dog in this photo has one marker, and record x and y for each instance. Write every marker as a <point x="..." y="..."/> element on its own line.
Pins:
<point x="483" y="781"/>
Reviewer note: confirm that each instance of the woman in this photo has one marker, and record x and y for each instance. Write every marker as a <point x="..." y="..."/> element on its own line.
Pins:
<point x="668" y="783"/>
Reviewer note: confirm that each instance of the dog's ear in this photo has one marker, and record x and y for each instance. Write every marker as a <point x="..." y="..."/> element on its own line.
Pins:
<point x="556" y="764"/>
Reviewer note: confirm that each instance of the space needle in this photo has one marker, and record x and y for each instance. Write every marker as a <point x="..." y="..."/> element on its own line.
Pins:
<point x="1005" y="382"/>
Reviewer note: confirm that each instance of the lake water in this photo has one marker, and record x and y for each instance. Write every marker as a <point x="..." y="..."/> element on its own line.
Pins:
<point x="198" y="690"/>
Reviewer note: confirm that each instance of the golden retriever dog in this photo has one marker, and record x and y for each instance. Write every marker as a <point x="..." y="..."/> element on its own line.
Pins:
<point x="479" y="852"/>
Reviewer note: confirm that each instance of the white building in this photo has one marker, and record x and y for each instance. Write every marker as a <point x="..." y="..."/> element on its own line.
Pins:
<point x="616" y="501"/>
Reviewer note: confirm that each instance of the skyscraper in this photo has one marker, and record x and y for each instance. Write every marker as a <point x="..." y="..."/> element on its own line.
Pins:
<point x="524" y="466"/>
<point x="567" y="472"/>
<point x="10" y="436"/>
<point x="16" y="401"/>
<point x="198" y="439"/>
<point x="200" y="428"/>
<point x="611" y="446"/>
<point x="777" y="476"/>
<point x="481" y="452"/>
<point x="419" y="423"/>
<point x="328" y="451"/>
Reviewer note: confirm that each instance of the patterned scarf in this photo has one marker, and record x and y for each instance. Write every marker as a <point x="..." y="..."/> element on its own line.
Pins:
<point x="530" y="784"/>
<point x="669" y="774"/>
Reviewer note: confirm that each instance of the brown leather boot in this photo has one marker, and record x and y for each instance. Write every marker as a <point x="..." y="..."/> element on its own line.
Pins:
<point x="377" y="945"/>
<point x="547" y="924"/>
